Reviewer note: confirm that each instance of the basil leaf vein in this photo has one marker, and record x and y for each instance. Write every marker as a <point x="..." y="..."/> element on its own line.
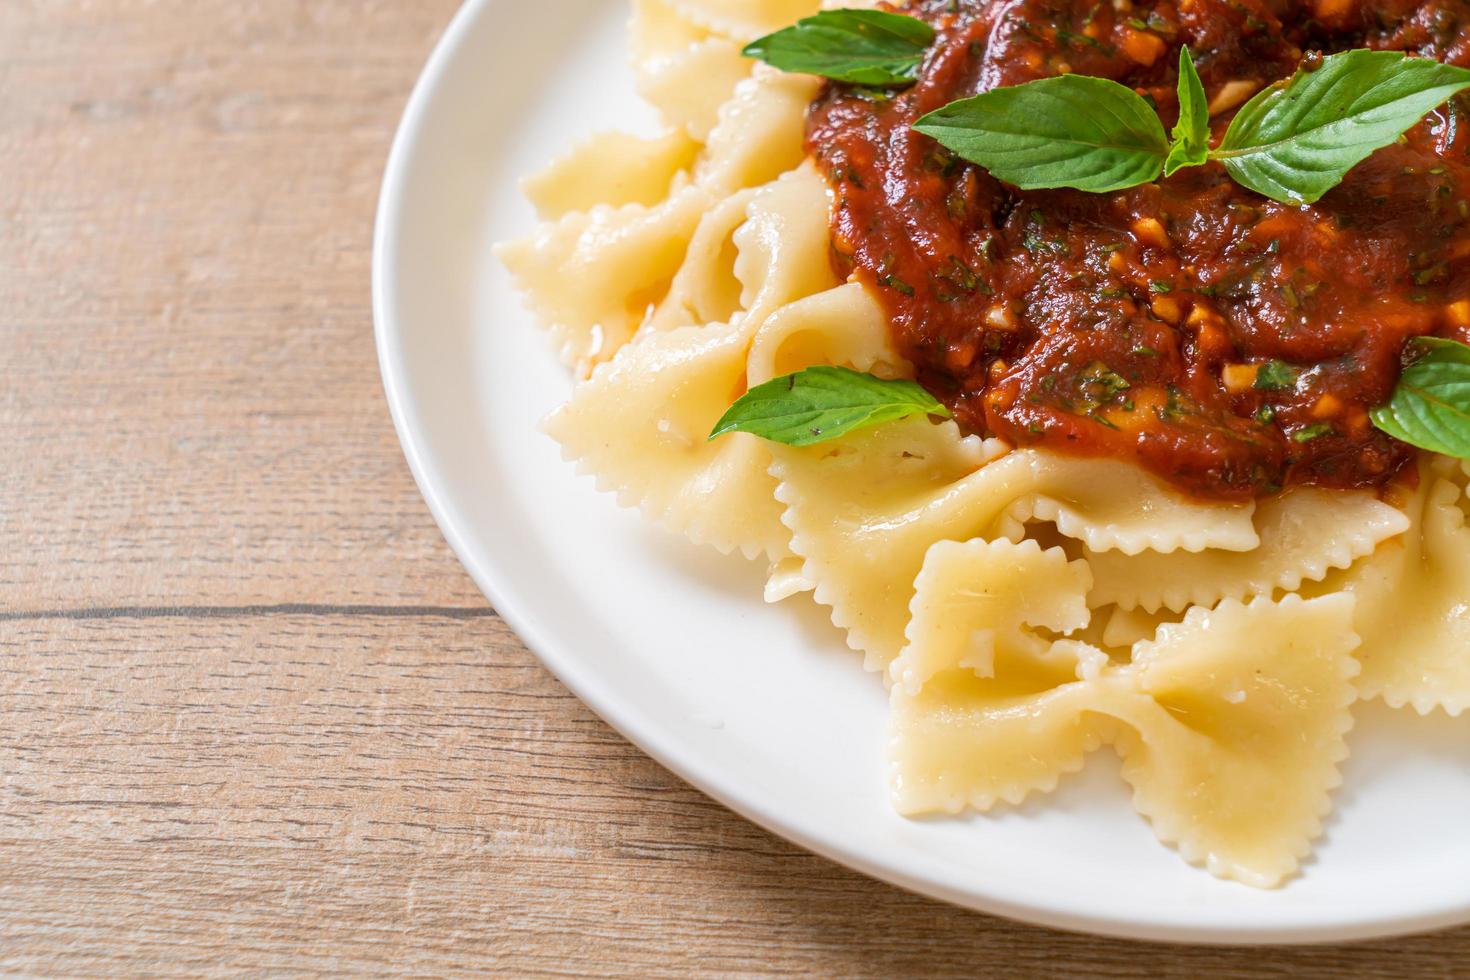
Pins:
<point x="1430" y="407"/>
<point x="1191" y="135"/>
<point x="1295" y="142"/>
<point x="1092" y="134"/>
<point x="821" y="403"/>
<point x="864" y="47"/>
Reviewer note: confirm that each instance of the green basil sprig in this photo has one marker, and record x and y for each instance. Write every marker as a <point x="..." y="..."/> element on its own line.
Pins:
<point x="1191" y="146"/>
<point x="1430" y="407"/>
<point x="821" y="403"/>
<point x="864" y="47"/>
<point x="1292" y="142"/>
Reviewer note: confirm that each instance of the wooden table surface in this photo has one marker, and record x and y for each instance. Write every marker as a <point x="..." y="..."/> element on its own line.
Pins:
<point x="253" y="715"/>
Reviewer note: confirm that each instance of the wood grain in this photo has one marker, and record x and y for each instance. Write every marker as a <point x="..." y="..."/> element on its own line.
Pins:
<point x="253" y="717"/>
<point x="192" y="395"/>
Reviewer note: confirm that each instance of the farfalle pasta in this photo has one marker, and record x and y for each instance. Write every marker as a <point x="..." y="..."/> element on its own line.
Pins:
<point x="1026" y="607"/>
<point x="1230" y="723"/>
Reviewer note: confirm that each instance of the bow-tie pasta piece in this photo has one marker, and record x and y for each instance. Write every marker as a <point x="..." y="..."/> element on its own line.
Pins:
<point x="781" y="252"/>
<point x="593" y="275"/>
<point x="745" y="20"/>
<point x="983" y="708"/>
<point x="641" y="422"/>
<point x="683" y="69"/>
<point x="705" y="289"/>
<point x="689" y="88"/>
<point x="658" y="30"/>
<point x="969" y="741"/>
<point x="979" y="601"/>
<point x="612" y="169"/>
<point x="1414" y="606"/>
<point x="852" y="331"/>
<point x="755" y="251"/>
<point x="761" y="131"/>
<point x="863" y="509"/>
<point x="1304" y="533"/>
<point x="1230" y="723"/>
<point x="855" y="334"/>
<point x="1115" y="506"/>
<point x="1235" y="730"/>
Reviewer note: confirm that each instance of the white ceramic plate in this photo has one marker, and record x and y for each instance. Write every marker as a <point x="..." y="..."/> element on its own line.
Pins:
<point x="762" y="706"/>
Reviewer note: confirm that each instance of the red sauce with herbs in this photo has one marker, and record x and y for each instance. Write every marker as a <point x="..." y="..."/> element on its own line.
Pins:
<point x="1231" y="344"/>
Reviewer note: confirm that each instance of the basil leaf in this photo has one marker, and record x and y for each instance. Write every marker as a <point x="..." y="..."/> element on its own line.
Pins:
<point x="865" y="47"/>
<point x="1070" y="131"/>
<point x="1430" y="408"/>
<point x="1296" y="142"/>
<point x="1191" y="146"/>
<point x="822" y="403"/>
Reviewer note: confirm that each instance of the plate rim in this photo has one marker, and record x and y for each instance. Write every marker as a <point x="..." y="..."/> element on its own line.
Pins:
<point x="389" y="339"/>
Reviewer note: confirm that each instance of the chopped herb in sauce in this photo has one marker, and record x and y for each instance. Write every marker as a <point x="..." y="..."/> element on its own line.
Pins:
<point x="1311" y="432"/>
<point x="893" y="282"/>
<point x="1275" y="376"/>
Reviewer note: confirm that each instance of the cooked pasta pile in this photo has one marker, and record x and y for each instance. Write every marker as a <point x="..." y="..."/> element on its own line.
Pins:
<point x="1024" y="607"/>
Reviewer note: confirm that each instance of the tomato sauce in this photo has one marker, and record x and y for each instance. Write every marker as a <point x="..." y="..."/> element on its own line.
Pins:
<point x="1230" y="344"/>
